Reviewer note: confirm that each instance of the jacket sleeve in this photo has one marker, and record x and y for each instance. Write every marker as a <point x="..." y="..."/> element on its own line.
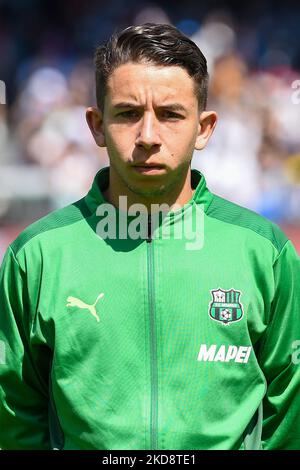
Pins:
<point x="23" y="387"/>
<point x="280" y="356"/>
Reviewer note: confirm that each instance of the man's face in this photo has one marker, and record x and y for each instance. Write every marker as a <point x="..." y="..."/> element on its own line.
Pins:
<point x="150" y="126"/>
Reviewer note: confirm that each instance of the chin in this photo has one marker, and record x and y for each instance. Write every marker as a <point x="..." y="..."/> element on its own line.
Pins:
<point x="147" y="190"/>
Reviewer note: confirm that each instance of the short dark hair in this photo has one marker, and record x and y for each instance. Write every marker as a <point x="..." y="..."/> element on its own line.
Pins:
<point x="157" y="44"/>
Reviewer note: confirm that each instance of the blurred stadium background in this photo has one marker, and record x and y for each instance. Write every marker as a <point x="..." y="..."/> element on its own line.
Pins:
<point x="47" y="156"/>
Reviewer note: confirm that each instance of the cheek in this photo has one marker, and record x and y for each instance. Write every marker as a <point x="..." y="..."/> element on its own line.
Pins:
<point x="181" y="139"/>
<point x="119" y="140"/>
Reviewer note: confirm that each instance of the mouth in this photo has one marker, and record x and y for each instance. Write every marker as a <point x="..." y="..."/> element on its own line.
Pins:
<point x="149" y="169"/>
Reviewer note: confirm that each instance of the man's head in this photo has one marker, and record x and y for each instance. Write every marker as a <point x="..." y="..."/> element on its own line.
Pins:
<point x="155" y="44"/>
<point x="151" y="95"/>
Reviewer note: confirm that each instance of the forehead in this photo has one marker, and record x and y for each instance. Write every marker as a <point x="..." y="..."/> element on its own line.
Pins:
<point x="141" y="82"/>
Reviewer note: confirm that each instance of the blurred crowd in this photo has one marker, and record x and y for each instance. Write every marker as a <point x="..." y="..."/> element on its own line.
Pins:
<point x="253" y="55"/>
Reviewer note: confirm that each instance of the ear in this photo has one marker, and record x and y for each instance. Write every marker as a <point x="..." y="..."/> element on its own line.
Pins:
<point x="207" y="124"/>
<point x="94" y="118"/>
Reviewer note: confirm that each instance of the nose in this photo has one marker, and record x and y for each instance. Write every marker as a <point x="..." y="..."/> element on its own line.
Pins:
<point x="148" y="135"/>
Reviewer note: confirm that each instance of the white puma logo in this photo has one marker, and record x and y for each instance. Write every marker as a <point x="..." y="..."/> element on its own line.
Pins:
<point x="74" y="302"/>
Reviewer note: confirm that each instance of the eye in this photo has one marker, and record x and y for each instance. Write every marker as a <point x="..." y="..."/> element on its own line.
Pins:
<point x="171" y="115"/>
<point x="130" y="114"/>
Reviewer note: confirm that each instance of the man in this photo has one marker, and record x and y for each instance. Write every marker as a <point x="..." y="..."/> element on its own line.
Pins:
<point x="151" y="314"/>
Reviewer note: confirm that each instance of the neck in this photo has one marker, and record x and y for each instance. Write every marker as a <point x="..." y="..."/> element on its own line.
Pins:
<point x="176" y="197"/>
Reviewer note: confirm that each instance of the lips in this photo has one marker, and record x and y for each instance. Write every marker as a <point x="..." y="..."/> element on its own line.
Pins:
<point x="149" y="165"/>
<point x="153" y="168"/>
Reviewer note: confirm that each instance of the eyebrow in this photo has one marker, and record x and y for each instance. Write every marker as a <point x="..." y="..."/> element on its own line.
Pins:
<point x="171" y="106"/>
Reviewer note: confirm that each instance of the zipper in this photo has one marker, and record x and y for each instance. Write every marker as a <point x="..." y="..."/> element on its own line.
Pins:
<point x="149" y="234"/>
<point x="153" y="340"/>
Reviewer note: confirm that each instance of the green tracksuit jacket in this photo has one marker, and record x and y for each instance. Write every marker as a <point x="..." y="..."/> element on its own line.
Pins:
<point x="117" y="343"/>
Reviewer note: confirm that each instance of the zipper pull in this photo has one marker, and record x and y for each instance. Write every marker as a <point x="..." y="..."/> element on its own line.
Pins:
<point x="149" y="237"/>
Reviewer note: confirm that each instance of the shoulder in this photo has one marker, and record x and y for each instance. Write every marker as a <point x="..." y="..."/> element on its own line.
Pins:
<point x="238" y="216"/>
<point x="52" y="222"/>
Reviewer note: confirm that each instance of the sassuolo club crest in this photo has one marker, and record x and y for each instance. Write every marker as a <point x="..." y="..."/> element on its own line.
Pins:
<point x="225" y="306"/>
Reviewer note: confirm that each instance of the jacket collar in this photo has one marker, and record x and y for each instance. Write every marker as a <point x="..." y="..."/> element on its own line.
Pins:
<point x="95" y="197"/>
